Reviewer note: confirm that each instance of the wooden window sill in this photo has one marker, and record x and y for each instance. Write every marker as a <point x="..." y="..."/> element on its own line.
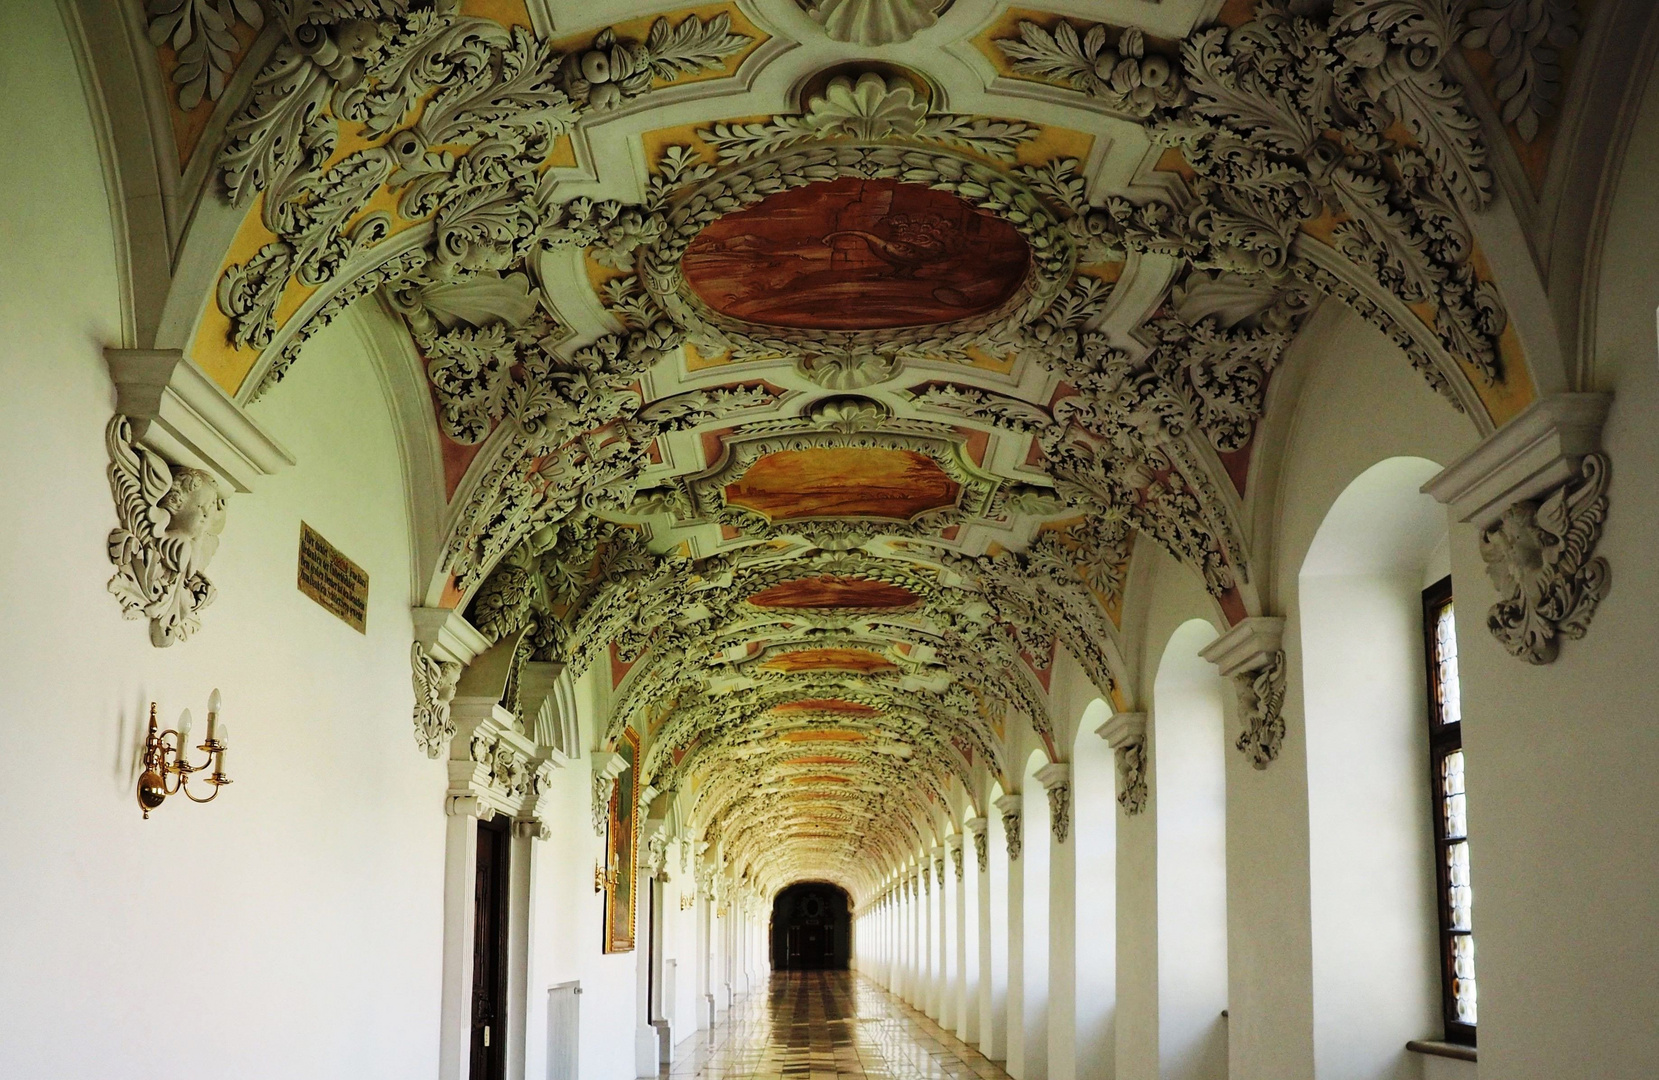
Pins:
<point x="1442" y="1049"/>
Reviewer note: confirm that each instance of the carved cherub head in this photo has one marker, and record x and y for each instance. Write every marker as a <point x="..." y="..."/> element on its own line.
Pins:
<point x="1514" y="551"/>
<point x="195" y="515"/>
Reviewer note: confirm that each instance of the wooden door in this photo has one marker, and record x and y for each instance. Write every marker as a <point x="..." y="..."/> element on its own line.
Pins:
<point x="489" y="954"/>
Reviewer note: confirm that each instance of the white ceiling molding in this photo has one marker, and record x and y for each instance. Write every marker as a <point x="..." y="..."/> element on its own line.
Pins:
<point x="181" y="414"/>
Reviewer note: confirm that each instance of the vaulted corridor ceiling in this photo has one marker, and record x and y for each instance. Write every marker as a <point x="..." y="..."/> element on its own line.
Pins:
<point x="815" y="369"/>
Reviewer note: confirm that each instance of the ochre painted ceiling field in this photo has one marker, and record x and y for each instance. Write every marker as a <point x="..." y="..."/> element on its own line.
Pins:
<point x="821" y="401"/>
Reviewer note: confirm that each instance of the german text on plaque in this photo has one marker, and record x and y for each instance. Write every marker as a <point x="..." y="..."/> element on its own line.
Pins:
<point x="332" y="580"/>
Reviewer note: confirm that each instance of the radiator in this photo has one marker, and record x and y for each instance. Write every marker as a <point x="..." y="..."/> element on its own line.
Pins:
<point x="564" y="1024"/>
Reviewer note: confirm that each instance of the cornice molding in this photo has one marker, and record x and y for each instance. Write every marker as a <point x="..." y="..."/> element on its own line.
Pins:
<point x="1538" y="450"/>
<point x="181" y="414"/>
<point x="446" y="634"/>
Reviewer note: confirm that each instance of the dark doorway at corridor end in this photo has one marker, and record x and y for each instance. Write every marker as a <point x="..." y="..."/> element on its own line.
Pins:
<point x="811" y="927"/>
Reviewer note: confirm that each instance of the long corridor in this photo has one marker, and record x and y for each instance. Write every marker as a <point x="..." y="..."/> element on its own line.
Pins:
<point x="824" y="1025"/>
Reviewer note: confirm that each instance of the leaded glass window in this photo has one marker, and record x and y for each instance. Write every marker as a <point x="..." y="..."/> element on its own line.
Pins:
<point x="1451" y="817"/>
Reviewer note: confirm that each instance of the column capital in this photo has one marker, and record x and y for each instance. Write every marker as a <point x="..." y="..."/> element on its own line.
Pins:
<point x="1125" y="733"/>
<point x="1250" y="655"/>
<point x="1056" y="780"/>
<point x="1010" y="805"/>
<point x="1535" y="452"/>
<point x="1055" y="772"/>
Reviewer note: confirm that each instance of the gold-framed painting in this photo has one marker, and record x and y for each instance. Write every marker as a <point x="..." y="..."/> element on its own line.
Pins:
<point x="621" y="834"/>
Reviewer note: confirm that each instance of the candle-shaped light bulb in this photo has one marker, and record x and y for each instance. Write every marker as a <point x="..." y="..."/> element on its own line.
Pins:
<point x="185" y="724"/>
<point x="213" y="716"/>
<point x="224" y="741"/>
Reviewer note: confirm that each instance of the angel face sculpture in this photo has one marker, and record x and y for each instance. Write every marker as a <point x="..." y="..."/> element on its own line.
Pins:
<point x="1539" y="555"/>
<point x="168" y="524"/>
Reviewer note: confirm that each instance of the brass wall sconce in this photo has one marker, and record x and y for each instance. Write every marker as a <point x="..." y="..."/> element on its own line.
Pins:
<point x="167" y="767"/>
<point x="603" y="879"/>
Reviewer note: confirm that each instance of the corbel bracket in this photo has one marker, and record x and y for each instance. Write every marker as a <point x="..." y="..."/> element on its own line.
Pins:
<point x="1250" y="655"/>
<point x="976" y="829"/>
<point x="607" y="766"/>
<point x="1056" y="780"/>
<point x="1009" y="807"/>
<point x="1537" y="490"/>
<point x="1125" y="733"/>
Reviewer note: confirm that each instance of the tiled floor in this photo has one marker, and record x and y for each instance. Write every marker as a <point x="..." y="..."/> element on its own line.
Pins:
<point x="826" y="1025"/>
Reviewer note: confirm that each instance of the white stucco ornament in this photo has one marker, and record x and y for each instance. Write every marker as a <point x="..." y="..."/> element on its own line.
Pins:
<point x="1539" y="555"/>
<point x="875" y="22"/>
<point x="169" y="521"/>
<point x="434" y="682"/>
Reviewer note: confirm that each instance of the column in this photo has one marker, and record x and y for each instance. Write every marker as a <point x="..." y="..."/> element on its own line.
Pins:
<point x="913" y="970"/>
<point x="964" y="991"/>
<point x="949" y="871"/>
<point x="704" y="913"/>
<point x="985" y="1034"/>
<point x="647" y="969"/>
<point x="929" y="1003"/>
<point x="941" y="929"/>
<point x="1062" y="924"/>
<point x="460" y="879"/>
<point x="1014" y="1013"/>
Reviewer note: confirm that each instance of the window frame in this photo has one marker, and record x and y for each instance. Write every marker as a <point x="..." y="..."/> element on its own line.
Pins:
<point x="1444" y="740"/>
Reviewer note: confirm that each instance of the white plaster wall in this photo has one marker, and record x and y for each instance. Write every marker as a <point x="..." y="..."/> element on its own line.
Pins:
<point x="570" y="919"/>
<point x="1563" y="758"/>
<point x="682" y="943"/>
<point x="292" y="927"/>
<point x="993" y="1018"/>
<point x="1357" y="402"/>
<point x="1375" y="955"/>
<point x="1189" y="743"/>
<point x="1034" y="860"/>
<point x="1094" y="825"/>
<point x="1175" y="596"/>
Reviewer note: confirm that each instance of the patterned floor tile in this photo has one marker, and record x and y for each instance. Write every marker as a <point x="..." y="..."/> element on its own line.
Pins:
<point x="827" y="1025"/>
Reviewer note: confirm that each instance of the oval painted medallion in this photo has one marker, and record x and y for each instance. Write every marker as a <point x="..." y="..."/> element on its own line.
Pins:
<point x="853" y="254"/>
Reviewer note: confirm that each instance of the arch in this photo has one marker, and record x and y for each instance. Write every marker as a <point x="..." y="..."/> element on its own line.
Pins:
<point x="811" y="927"/>
<point x="1375" y="977"/>
<point x="1189" y="775"/>
<point x="1094" y="831"/>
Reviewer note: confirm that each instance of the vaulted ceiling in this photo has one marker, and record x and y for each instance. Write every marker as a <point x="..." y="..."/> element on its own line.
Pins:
<point x="814" y="367"/>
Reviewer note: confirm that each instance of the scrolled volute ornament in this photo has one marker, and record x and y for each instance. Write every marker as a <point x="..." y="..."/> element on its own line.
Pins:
<point x="1539" y="554"/>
